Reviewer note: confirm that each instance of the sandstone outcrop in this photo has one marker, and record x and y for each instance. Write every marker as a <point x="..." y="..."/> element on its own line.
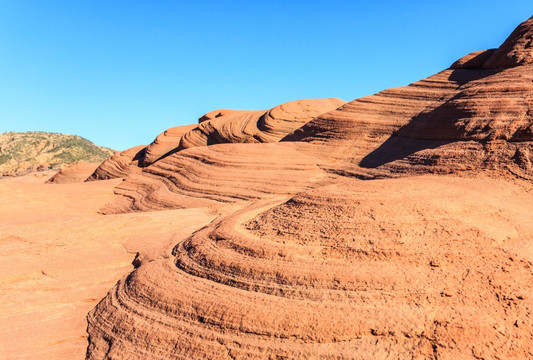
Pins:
<point x="309" y="259"/>
<point x="354" y="269"/>
<point x="486" y="124"/>
<point x="120" y="164"/>
<point x="218" y="127"/>
<point x="222" y="126"/>
<point x="73" y="174"/>
<point x="164" y="143"/>
<point x="214" y="175"/>
<point x="516" y="50"/>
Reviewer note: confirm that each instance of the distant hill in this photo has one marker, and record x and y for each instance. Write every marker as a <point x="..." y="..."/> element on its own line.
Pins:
<point x="22" y="151"/>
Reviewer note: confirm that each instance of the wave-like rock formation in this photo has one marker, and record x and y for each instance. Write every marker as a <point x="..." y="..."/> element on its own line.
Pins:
<point x="354" y="269"/>
<point x="224" y="173"/>
<point x="164" y="143"/>
<point x="488" y="124"/>
<point x="335" y="142"/>
<point x="218" y="127"/>
<point x="73" y="174"/>
<point x="256" y="126"/>
<point x="461" y="119"/>
<point x="315" y="262"/>
<point x="475" y="115"/>
<point x="120" y="164"/>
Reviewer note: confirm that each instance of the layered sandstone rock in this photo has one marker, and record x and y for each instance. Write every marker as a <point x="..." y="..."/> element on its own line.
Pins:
<point x="486" y="124"/>
<point x="218" y="127"/>
<point x="317" y="263"/>
<point x="120" y="164"/>
<point x="516" y="50"/>
<point x="334" y="143"/>
<point x="413" y="266"/>
<point x="164" y="143"/>
<point x="74" y="173"/>
<point x="223" y="126"/>
<point x="218" y="174"/>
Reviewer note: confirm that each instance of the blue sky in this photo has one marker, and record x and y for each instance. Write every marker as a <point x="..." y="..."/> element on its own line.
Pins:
<point x="120" y="72"/>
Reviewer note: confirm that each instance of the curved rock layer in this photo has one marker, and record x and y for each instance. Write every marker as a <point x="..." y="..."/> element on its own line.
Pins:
<point x="218" y="127"/>
<point x="335" y="141"/>
<point x="456" y="120"/>
<point x="224" y="173"/>
<point x="223" y="126"/>
<point x="73" y="174"/>
<point x="478" y="115"/>
<point x="120" y="164"/>
<point x="352" y="140"/>
<point x="498" y="106"/>
<point x="328" y="266"/>
<point x="516" y="50"/>
<point x="338" y="272"/>
<point x="164" y="143"/>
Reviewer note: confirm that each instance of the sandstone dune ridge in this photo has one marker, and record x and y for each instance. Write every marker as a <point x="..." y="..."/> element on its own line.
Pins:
<point x="308" y="258"/>
<point x="20" y="151"/>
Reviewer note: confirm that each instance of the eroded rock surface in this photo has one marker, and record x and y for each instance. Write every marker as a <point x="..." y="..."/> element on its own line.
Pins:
<point x="217" y="127"/>
<point x="315" y="260"/>
<point x="413" y="266"/>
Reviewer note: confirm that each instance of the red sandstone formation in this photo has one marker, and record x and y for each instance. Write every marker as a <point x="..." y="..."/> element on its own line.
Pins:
<point x="409" y="268"/>
<point x="120" y="164"/>
<point x="312" y="261"/>
<point x="224" y="173"/>
<point x="164" y="143"/>
<point x="516" y="50"/>
<point x="74" y="173"/>
<point x="223" y="126"/>
<point x="218" y="127"/>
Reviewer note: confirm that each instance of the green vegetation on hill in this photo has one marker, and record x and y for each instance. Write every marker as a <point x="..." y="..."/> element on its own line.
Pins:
<point x="22" y="150"/>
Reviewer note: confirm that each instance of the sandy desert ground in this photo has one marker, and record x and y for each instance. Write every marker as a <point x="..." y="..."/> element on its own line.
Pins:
<point x="60" y="257"/>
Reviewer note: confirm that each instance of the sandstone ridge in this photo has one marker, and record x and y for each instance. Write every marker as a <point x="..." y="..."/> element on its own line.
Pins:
<point x="218" y="127"/>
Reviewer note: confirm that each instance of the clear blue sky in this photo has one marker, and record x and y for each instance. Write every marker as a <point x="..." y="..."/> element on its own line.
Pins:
<point x="120" y="72"/>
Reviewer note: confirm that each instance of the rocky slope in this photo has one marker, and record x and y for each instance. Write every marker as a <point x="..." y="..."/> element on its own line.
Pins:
<point x="354" y="269"/>
<point x="218" y="127"/>
<point x="31" y="150"/>
<point x="311" y="259"/>
<point x="60" y="257"/>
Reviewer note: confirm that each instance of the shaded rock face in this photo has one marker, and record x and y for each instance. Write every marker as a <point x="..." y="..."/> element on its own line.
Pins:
<point x="498" y="106"/>
<point x="487" y="124"/>
<point x="310" y="261"/>
<point x="473" y="60"/>
<point x="516" y="50"/>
